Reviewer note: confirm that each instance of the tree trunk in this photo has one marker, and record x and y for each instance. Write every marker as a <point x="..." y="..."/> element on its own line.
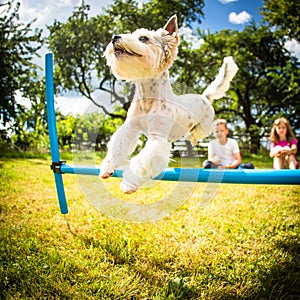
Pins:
<point x="254" y="143"/>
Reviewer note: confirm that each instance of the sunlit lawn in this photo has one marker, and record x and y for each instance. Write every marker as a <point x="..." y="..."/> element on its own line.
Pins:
<point x="243" y="243"/>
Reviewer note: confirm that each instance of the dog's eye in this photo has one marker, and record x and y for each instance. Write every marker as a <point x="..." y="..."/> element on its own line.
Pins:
<point x="143" y="39"/>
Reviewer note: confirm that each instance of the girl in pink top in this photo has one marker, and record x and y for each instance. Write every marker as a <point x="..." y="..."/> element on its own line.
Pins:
<point x="283" y="145"/>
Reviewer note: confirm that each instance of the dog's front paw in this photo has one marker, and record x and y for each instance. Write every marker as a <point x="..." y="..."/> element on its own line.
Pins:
<point x="128" y="188"/>
<point x="106" y="169"/>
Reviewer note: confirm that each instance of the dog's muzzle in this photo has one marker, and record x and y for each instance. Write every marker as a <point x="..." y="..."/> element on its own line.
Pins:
<point x="119" y="48"/>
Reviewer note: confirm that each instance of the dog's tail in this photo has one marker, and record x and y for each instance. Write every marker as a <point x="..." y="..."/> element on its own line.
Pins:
<point x="220" y="85"/>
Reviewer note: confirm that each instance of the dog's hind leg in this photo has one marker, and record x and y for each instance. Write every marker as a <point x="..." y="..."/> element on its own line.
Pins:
<point x="152" y="159"/>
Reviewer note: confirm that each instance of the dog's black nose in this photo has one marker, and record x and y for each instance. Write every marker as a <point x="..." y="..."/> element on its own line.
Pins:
<point x="115" y="38"/>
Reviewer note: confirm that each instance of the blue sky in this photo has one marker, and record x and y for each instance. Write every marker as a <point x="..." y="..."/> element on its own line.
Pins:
<point x="230" y="14"/>
<point x="216" y="11"/>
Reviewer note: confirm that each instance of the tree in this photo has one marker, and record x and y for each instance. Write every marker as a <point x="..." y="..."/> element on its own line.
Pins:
<point x="266" y="85"/>
<point x="30" y="126"/>
<point x="284" y="15"/>
<point x="18" y="45"/>
<point x="95" y="129"/>
<point x="91" y="130"/>
<point x="79" y="44"/>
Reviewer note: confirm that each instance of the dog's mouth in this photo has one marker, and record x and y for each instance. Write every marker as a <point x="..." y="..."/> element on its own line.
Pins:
<point x="118" y="51"/>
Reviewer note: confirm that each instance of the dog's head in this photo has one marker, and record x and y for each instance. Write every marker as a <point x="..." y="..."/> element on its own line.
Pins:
<point x="143" y="53"/>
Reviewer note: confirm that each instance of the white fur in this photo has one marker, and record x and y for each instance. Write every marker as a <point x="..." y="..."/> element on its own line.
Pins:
<point x="144" y="58"/>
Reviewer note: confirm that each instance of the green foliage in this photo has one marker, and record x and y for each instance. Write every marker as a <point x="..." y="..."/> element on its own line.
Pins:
<point x="130" y="14"/>
<point x="30" y="130"/>
<point x="18" y="45"/>
<point x="65" y="126"/>
<point x="284" y="15"/>
<point x="92" y="130"/>
<point x="95" y="129"/>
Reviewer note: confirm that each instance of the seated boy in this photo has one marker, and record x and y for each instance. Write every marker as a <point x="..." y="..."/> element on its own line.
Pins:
<point x="224" y="152"/>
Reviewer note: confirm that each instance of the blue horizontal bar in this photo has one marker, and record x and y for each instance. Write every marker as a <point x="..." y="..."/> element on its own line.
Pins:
<point x="261" y="176"/>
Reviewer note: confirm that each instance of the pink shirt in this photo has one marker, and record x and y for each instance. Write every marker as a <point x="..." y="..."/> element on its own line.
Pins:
<point x="286" y="143"/>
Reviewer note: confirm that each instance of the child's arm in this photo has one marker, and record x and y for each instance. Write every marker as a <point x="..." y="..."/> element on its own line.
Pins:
<point x="216" y="159"/>
<point x="275" y="151"/>
<point x="237" y="161"/>
<point x="293" y="150"/>
<point x="294" y="147"/>
<point x="212" y="156"/>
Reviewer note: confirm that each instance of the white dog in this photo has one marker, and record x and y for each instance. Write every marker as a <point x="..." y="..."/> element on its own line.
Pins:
<point x="144" y="58"/>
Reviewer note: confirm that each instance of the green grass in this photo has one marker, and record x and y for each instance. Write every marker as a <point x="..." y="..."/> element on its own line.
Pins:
<point x="244" y="244"/>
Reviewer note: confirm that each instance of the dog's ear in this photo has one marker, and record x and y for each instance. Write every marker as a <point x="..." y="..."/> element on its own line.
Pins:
<point x="171" y="26"/>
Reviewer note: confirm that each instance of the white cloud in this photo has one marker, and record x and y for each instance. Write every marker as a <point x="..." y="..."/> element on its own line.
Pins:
<point x="21" y="100"/>
<point x="294" y="47"/>
<point x="227" y="1"/>
<point x="46" y="11"/>
<point x="76" y="104"/>
<point x="240" y="18"/>
<point x="71" y="105"/>
<point x="187" y="35"/>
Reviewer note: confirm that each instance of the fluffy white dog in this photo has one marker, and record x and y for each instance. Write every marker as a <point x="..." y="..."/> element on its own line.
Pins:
<point x="144" y="57"/>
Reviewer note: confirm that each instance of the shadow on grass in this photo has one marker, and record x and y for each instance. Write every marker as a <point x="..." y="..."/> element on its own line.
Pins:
<point x="280" y="282"/>
<point x="171" y="281"/>
<point x="283" y="279"/>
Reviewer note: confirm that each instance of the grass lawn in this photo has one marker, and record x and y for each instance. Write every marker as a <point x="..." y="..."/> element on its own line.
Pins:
<point x="244" y="243"/>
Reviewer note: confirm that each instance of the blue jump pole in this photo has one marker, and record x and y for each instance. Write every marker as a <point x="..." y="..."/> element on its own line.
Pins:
<point x="56" y="163"/>
<point x="262" y="176"/>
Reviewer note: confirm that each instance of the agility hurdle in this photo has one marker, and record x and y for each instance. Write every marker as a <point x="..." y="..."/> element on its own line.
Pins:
<point x="266" y="176"/>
